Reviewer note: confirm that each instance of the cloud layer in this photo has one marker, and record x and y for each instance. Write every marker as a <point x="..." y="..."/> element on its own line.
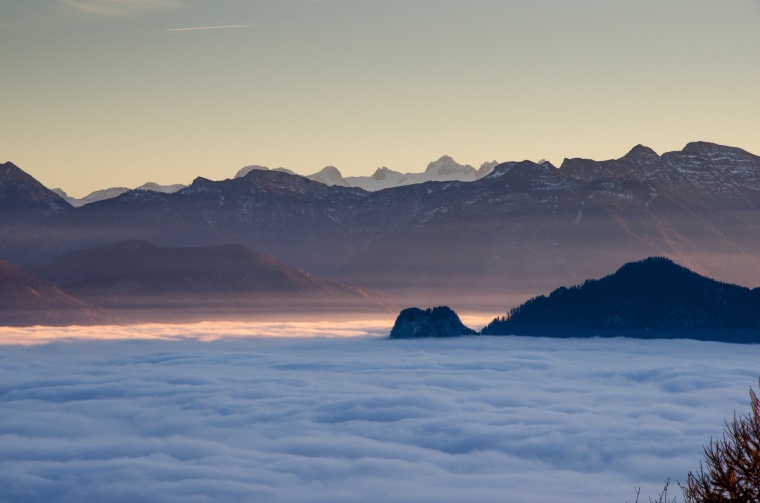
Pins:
<point x="117" y="8"/>
<point x="360" y="419"/>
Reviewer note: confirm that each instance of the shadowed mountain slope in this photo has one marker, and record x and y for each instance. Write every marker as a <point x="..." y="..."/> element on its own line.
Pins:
<point x="26" y="300"/>
<point x="227" y="279"/>
<point x="650" y="298"/>
<point x="21" y="192"/>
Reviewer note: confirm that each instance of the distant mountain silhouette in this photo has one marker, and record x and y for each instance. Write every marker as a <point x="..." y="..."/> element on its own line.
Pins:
<point x="110" y="193"/>
<point x="26" y="300"/>
<point x="21" y="192"/>
<point x="140" y="278"/>
<point x="650" y="298"/>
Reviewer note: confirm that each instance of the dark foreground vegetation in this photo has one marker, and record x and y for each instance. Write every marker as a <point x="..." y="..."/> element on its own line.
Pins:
<point x="730" y="472"/>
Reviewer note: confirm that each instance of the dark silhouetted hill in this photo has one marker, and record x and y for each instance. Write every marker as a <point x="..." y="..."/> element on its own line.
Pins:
<point x="439" y="321"/>
<point x="21" y="192"/>
<point x="26" y="300"/>
<point x="141" y="278"/>
<point x="650" y="298"/>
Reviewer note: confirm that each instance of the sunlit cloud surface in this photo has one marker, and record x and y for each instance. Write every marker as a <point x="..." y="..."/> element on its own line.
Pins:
<point x="206" y="331"/>
<point x="359" y="419"/>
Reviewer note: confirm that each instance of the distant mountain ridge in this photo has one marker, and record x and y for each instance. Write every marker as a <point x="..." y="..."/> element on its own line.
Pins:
<point x="701" y="168"/>
<point x="102" y="195"/>
<point x="21" y="192"/>
<point x="641" y="163"/>
<point x="138" y="277"/>
<point x="26" y="300"/>
<point x="520" y="230"/>
<point x="444" y="169"/>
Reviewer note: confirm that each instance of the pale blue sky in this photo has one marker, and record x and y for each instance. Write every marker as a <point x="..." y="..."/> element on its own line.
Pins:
<point x="99" y="93"/>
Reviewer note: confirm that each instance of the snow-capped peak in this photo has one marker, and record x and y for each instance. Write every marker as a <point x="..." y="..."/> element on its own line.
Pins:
<point x="329" y="175"/>
<point x="487" y="168"/>
<point x="448" y="166"/>
<point x="383" y="173"/>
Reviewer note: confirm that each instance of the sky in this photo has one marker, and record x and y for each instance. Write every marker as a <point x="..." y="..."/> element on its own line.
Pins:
<point x="101" y="93"/>
<point x="359" y="419"/>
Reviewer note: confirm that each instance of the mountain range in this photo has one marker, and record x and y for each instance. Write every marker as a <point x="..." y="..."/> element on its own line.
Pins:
<point x="444" y="169"/>
<point x="523" y="228"/>
<point x="139" y="281"/>
<point x="101" y="195"/>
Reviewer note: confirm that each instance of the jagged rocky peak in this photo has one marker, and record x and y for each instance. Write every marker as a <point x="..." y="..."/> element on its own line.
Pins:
<point x="641" y="152"/>
<point x="442" y="321"/>
<point x="247" y="169"/>
<point x="102" y="195"/>
<point x="166" y="189"/>
<point x="707" y="149"/>
<point x="529" y="168"/>
<point x="329" y="175"/>
<point x="487" y="168"/>
<point x="544" y="162"/>
<point x="383" y="173"/>
<point x="19" y="190"/>
<point x="448" y="166"/>
<point x="64" y="195"/>
<point x="501" y="169"/>
<point x="716" y="169"/>
<point x="200" y="184"/>
<point x="10" y="170"/>
<point x="255" y="167"/>
<point x="717" y="153"/>
<point x="640" y="163"/>
<point x="13" y="176"/>
<point x="529" y="176"/>
<point x="641" y="156"/>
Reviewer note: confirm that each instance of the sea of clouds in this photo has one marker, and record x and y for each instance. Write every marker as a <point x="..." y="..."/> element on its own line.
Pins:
<point x="189" y="414"/>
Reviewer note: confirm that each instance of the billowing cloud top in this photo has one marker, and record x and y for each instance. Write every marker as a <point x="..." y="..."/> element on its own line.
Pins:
<point x="360" y="419"/>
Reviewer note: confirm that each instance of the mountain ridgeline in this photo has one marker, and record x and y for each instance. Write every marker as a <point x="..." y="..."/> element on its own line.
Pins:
<point x="514" y="233"/>
<point x="27" y="300"/>
<point x="651" y="298"/>
<point x="144" y="281"/>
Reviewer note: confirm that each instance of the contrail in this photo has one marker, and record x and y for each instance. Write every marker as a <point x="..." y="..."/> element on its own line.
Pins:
<point x="225" y="27"/>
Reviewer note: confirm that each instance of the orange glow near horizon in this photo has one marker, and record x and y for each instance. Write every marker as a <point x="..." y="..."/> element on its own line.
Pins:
<point x="208" y="331"/>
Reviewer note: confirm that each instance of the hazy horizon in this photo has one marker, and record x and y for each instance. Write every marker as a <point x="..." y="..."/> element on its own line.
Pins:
<point x="105" y="93"/>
